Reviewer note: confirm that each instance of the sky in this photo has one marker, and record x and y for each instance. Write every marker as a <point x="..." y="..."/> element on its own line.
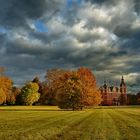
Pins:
<point x="103" y="35"/>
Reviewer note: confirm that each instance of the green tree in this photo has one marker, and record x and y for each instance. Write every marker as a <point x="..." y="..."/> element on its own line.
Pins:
<point x="29" y="93"/>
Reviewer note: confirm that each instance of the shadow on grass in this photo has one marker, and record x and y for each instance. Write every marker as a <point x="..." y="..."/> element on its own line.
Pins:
<point x="43" y="108"/>
<point x="112" y="107"/>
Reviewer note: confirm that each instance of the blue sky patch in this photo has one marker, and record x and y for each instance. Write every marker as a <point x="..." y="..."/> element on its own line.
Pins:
<point x="2" y="29"/>
<point x="40" y="26"/>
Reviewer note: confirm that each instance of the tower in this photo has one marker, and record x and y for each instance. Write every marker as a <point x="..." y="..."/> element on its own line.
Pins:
<point x="123" y="95"/>
<point x="105" y="86"/>
<point x="113" y="94"/>
<point x="122" y="86"/>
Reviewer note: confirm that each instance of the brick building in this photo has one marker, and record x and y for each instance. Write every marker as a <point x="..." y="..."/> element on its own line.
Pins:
<point x="114" y="95"/>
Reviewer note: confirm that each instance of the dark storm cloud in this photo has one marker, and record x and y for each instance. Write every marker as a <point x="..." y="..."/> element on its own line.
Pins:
<point x="14" y="13"/>
<point x="137" y="6"/>
<point x="108" y="2"/>
<point x="125" y="31"/>
<point x="100" y="34"/>
<point x="2" y="38"/>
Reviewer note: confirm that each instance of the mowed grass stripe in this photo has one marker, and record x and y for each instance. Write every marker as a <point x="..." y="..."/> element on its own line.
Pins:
<point x="133" y="115"/>
<point x="63" y="121"/>
<point x="128" y="127"/>
<point x="53" y="129"/>
<point x="89" y="124"/>
<point x="28" y="118"/>
<point x="48" y="127"/>
<point x="13" y="128"/>
<point x="86" y="129"/>
<point x="75" y="130"/>
<point x="98" y="126"/>
<point x="132" y="111"/>
<point x="105" y="127"/>
<point x="69" y="124"/>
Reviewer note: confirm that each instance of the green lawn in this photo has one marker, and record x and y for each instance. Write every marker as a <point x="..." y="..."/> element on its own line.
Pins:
<point x="51" y="123"/>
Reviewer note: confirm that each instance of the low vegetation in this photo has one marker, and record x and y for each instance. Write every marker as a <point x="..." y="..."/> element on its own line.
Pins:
<point x="42" y="122"/>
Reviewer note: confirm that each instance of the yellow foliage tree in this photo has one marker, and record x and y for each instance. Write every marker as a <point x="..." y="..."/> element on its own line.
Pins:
<point x="29" y="93"/>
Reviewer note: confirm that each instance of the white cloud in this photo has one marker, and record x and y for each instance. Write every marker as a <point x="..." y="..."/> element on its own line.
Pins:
<point x="91" y="34"/>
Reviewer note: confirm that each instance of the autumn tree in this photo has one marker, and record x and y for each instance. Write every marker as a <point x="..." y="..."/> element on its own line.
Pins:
<point x="46" y="97"/>
<point x="16" y="91"/>
<point x="69" y="91"/>
<point x="29" y="93"/>
<point x="54" y="74"/>
<point x="50" y="86"/>
<point x="2" y="97"/>
<point x="6" y="85"/>
<point x="91" y="94"/>
<point x="84" y="90"/>
<point x="37" y="81"/>
<point x="13" y="97"/>
<point x="10" y="99"/>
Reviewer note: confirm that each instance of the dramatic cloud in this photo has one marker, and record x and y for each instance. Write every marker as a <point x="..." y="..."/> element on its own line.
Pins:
<point x="103" y="35"/>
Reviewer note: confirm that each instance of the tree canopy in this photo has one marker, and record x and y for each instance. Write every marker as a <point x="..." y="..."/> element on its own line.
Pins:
<point x="6" y="86"/>
<point x="29" y="93"/>
<point x="69" y="91"/>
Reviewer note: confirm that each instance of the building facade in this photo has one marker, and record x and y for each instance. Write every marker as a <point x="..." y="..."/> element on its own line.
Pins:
<point x="114" y="95"/>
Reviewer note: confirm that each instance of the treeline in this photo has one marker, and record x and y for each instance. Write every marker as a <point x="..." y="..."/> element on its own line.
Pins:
<point x="133" y="99"/>
<point x="65" y="88"/>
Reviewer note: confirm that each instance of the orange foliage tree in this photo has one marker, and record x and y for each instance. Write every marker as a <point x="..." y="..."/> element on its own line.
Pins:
<point x="6" y="85"/>
<point x="75" y="88"/>
<point x="91" y="94"/>
<point x="50" y="86"/>
<point x="2" y="97"/>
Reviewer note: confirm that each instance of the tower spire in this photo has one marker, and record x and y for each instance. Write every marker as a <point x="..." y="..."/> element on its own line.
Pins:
<point x="105" y="84"/>
<point x="122" y="86"/>
<point x="104" y="79"/>
<point x="122" y="81"/>
<point x="122" y="78"/>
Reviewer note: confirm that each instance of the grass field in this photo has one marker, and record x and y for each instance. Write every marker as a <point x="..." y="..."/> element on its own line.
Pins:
<point x="51" y="123"/>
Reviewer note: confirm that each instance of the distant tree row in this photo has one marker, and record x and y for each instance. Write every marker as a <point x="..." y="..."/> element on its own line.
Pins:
<point x="67" y="89"/>
<point x="133" y="99"/>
